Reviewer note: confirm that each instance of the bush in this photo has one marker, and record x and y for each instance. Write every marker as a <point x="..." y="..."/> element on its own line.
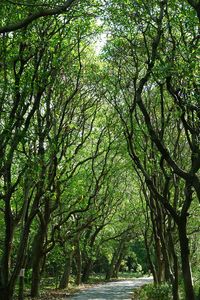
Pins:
<point x="159" y="292"/>
<point x="152" y="292"/>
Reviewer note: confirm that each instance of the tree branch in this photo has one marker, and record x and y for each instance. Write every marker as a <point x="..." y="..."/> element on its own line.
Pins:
<point x="196" y="6"/>
<point x="42" y="13"/>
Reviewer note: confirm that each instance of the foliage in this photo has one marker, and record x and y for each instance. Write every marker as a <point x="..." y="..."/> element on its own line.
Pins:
<point x="99" y="152"/>
<point x="152" y="292"/>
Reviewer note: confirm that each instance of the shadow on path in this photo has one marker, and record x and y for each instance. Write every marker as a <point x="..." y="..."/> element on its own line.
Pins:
<point x="113" y="290"/>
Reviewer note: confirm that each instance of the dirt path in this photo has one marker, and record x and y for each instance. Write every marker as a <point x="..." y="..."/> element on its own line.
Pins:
<point x="113" y="290"/>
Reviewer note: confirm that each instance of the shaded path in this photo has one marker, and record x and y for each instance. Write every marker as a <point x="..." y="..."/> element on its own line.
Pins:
<point x="112" y="290"/>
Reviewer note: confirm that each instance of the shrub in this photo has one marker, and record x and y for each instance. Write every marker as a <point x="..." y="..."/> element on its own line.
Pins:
<point x="162" y="291"/>
<point x="152" y="292"/>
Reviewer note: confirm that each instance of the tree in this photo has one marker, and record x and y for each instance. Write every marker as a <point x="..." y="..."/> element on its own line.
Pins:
<point x="88" y="142"/>
<point x="30" y="139"/>
<point x="137" y="78"/>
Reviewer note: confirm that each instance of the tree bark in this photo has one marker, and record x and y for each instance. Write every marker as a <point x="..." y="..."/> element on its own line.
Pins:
<point x="66" y="273"/>
<point x="5" y="263"/>
<point x="118" y="264"/>
<point x="78" y="259"/>
<point x="36" y="265"/>
<point x="185" y="259"/>
<point x="151" y="265"/>
<point x="155" y="220"/>
<point x="5" y="293"/>
<point x="21" y="287"/>
<point x="115" y="258"/>
<point x="174" y="258"/>
<point x="109" y="273"/>
<point x="87" y="270"/>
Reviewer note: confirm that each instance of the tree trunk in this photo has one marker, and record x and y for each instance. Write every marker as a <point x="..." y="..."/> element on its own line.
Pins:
<point x="21" y="285"/>
<point x="87" y="270"/>
<point x="7" y="290"/>
<point x="174" y="257"/>
<point x="89" y="254"/>
<point x="36" y="264"/>
<point x="185" y="259"/>
<point x="8" y="241"/>
<point x="78" y="259"/>
<point x="66" y="274"/>
<point x="115" y="258"/>
<point x="118" y="263"/>
<point x="38" y="254"/>
<point x="35" y="282"/>
<point x="151" y="265"/>
<point x="159" y="256"/>
<point x="109" y="273"/>
<point x="5" y="293"/>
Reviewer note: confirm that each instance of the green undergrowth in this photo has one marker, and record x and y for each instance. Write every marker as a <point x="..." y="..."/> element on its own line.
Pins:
<point x="152" y="292"/>
<point x="160" y="292"/>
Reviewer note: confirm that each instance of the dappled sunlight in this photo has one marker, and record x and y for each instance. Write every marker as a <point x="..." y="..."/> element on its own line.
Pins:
<point x="113" y="290"/>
